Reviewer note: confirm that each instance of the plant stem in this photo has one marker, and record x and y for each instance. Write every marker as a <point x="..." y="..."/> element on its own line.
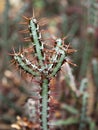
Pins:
<point x="36" y="41"/>
<point x="87" y="55"/>
<point x="83" y="116"/>
<point x="44" y="104"/>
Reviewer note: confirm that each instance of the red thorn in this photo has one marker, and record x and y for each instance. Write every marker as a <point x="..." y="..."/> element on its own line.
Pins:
<point x="24" y="31"/>
<point x="36" y="81"/>
<point x="68" y="46"/>
<point x="26" y="18"/>
<point x="50" y="39"/>
<point x="43" y="21"/>
<point x="64" y="38"/>
<point x="13" y="50"/>
<point x="71" y="51"/>
<point x="27" y="39"/>
<point x="24" y="23"/>
<point x="53" y="101"/>
<point x="33" y="13"/>
<point x="69" y="62"/>
<point x="12" y="60"/>
<point x="20" y="49"/>
<point x="10" y="54"/>
<point x="12" y="63"/>
<point x="44" y="31"/>
<point x="15" y="70"/>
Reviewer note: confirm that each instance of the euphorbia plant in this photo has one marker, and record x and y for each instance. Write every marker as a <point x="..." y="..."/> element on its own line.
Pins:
<point x="44" y="61"/>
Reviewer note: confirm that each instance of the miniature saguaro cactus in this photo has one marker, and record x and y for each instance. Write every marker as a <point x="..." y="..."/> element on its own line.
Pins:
<point x="44" y="61"/>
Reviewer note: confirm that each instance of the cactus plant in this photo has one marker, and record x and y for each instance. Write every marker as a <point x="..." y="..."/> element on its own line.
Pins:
<point x="43" y="61"/>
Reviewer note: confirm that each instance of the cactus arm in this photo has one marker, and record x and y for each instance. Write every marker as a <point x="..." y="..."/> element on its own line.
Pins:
<point x="37" y="45"/>
<point x="58" y="66"/>
<point x="25" y="67"/>
<point x="58" y="60"/>
<point x="55" y="56"/>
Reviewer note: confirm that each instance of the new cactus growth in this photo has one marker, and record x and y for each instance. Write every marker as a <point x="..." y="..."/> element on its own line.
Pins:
<point x="43" y="61"/>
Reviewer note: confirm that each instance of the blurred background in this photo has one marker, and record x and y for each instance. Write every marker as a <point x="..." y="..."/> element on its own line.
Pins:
<point x="77" y="19"/>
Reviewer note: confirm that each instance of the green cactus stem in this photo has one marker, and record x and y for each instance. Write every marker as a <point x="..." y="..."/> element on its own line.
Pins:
<point x="24" y="66"/>
<point x="44" y="104"/>
<point x="34" y="27"/>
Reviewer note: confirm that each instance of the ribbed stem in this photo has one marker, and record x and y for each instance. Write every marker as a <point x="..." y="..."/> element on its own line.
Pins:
<point x="58" y="66"/>
<point x="60" y="58"/>
<point x="44" y="104"/>
<point x="24" y="66"/>
<point x="36" y="41"/>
